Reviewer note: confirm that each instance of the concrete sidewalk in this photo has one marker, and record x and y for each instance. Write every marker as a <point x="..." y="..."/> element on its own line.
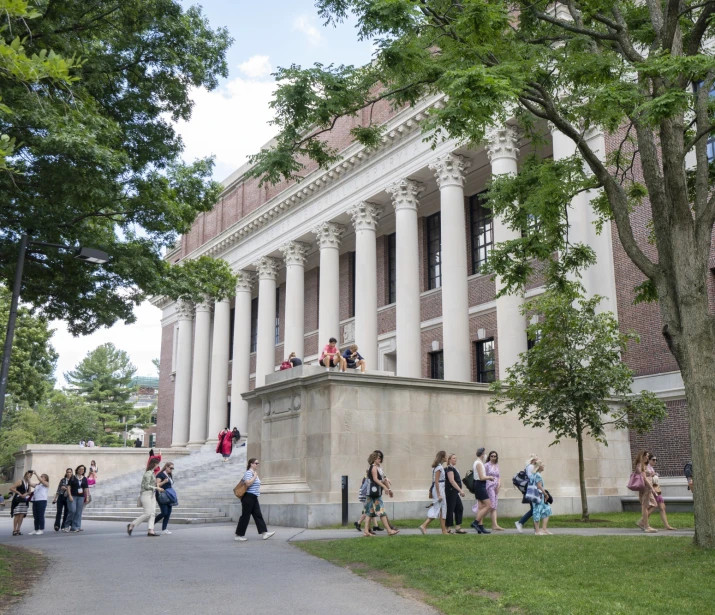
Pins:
<point x="102" y="571"/>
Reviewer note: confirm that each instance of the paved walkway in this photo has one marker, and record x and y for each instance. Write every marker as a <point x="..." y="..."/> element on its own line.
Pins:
<point x="201" y="569"/>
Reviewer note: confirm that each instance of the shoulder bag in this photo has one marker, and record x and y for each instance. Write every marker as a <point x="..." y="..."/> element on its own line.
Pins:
<point x="240" y="490"/>
<point x="532" y="495"/>
<point x="375" y="490"/>
<point x="635" y="482"/>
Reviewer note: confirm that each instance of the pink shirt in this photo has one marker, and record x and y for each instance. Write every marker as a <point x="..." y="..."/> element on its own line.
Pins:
<point x="329" y="350"/>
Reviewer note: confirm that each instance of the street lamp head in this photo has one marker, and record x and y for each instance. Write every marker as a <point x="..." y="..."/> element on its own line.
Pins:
<point x="91" y="255"/>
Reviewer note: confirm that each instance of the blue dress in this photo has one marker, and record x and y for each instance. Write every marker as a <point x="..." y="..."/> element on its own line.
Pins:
<point x="541" y="508"/>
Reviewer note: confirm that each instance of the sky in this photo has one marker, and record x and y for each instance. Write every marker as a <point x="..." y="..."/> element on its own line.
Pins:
<point x="229" y="123"/>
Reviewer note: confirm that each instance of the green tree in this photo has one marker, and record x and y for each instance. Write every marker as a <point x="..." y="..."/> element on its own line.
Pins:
<point x="96" y="158"/>
<point x="103" y="380"/>
<point x="31" y="375"/>
<point x="615" y="65"/>
<point x="572" y="381"/>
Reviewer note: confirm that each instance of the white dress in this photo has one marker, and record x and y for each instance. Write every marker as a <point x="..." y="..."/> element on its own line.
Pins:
<point x="438" y="510"/>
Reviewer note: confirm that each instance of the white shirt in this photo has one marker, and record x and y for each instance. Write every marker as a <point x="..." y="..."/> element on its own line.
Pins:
<point x="40" y="493"/>
<point x="474" y="469"/>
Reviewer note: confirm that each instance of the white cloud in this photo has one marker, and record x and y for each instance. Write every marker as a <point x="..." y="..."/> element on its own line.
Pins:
<point x="141" y="340"/>
<point x="230" y="122"/>
<point x="256" y="67"/>
<point x="305" y="25"/>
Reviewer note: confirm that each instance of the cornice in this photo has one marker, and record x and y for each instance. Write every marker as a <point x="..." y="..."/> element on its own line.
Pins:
<point x="397" y="128"/>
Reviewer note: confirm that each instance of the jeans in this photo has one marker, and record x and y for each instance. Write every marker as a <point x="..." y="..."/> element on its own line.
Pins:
<point x="527" y="514"/>
<point x="62" y="510"/>
<point x="455" y="508"/>
<point x="164" y="515"/>
<point x="38" y="514"/>
<point x="250" y="506"/>
<point x="74" y="516"/>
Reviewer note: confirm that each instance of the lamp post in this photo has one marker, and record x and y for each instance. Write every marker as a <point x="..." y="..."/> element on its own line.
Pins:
<point x="89" y="255"/>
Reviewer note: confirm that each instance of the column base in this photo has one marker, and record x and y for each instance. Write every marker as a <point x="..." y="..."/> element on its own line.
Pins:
<point x="194" y="446"/>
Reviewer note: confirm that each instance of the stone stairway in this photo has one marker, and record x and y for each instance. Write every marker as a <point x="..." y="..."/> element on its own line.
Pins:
<point x="203" y="481"/>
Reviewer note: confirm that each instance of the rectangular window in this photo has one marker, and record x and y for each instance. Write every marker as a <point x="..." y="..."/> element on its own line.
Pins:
<point x="392" y="268"/>
<point x="532" y="340"/>
<point x="278" y="315"/>
<point x="486" y="371"/>
<point x="254" y="323"/>
<point x="351" y="266"/>
<point x="152" y="440"/>
<point x="175" y="349"/>
<point x="434" y="251"/>
<point x="230" y="333"/>
<point x="436" y="365"/>
<point x="481" y="230"/>
<point x="153" y="418"/>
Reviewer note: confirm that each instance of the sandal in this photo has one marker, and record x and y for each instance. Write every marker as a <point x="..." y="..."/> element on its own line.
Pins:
<point x="393" y="532"/>
<point x="423" y="530"/>
<point x="460" y="531"/>
<point x="368" y="535"/>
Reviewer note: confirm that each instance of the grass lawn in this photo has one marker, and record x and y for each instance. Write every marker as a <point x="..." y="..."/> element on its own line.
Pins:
<point x="535" y="574"/>
<point x="19" y="568"/>
<point x="627" y="520"/>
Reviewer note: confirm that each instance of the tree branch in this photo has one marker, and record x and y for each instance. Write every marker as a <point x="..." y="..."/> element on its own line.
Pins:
<point x="571" y="27"/>
<point x="695" y="36"/>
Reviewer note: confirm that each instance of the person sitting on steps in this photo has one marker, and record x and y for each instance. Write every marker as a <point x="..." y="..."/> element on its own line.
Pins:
<point x="330" y="357"/>
<point x="353" y="359"/>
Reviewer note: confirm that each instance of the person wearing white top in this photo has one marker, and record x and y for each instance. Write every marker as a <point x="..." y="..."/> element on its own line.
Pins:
<point x="39" y="503"/>
<point x="438" y="510"/>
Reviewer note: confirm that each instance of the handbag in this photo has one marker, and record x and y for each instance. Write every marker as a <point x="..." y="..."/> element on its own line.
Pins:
<point x="163" y="497"/>
<point x="549" y="498"/>
<point x="240" y="490"/>
<point x="635" y="482"/>
<point x="532" y="495"/>
<point x="468" y="480"/>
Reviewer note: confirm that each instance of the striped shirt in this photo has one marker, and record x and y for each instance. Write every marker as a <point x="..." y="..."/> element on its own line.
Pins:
<point x="255" y="488"/>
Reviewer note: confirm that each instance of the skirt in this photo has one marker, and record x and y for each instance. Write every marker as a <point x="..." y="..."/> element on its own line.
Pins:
<point x="21" y="508"/>
<point x="480" y="490"/>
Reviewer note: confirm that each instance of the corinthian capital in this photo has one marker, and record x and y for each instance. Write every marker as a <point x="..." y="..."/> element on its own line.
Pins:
<point x="329" y="234"/>
<point x="502" y="142"/>
<point x="405" y="194"/>
<point x="295" y="252"/>
<point x="364" y="216"/>
<point x="245" y="281"/>
<point x="449" y="170"/>
<point x="184" y="310"/>
<point x="267" y="268"/>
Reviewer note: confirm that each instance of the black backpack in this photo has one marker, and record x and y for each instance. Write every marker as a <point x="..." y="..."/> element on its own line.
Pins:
<point x="521" y="480"/>
<point x="468" y="480"/>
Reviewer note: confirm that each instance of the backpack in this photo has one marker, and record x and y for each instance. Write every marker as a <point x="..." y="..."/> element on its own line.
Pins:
<point x="286" y="365"/>
<point x="364" y="486"/>
<point x="468" y="480"/>
<point x="521" y="480"/>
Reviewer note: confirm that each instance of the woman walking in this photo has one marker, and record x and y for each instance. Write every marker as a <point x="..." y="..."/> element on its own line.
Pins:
<point x="647" y="494"/>
<point x="491" y="467"/>
<point x="148" y="487"/>
<point x="454" y="492"/>
<point x="438" y="510"/>
<point x="75" y="500"/>
<point x="655" y="479"/>
<point x="166" y="499"/>
<point x="480" y="492"/>
<point x="61" y="500"/>
<point x="249" y="504"/>
<point x="529" y="469"/>
<point x="374" y="506"/>
<point x="224" y="443"/>
<point x="39" y="504"/>
<point x="542" y="510"/>
<point x="21" y="492"/>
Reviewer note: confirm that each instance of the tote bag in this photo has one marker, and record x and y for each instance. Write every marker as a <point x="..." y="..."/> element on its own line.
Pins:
<point x="635" y="482"/>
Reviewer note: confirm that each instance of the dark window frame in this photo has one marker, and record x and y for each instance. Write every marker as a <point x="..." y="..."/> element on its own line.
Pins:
<point x="278" y="316"/>
<point x="433" y="238"/>
<point x="436" y="365"/>
<point x="391" y="249"/>
<point x="486" y="366"/>
<point x="351" y="267"/>
<point x="481" y="230"/>
<point x="254" y="324"/>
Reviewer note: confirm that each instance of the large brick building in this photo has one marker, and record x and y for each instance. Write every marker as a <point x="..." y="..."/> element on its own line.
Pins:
<point x="383" y="249"/>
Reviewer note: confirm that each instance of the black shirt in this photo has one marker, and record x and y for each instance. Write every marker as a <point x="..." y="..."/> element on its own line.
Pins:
<point x="457" y="479"/>
<point x="76" y="483"/>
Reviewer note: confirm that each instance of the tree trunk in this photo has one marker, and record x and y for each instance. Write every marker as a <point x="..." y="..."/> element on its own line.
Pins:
<point x="581" y="476"/>
<point x="695" y="353"/>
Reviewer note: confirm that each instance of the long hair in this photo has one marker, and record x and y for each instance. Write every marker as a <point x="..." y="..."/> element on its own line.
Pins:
<point x="250" y="461"/>
<point x="439" y="458"/>
<point x="641" y="458"/>
<point x="153" y="463"/>
<point x="490" y="455"/>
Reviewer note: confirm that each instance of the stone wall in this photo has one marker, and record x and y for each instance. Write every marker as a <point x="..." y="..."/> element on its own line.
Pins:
<point x="309" y="427"/>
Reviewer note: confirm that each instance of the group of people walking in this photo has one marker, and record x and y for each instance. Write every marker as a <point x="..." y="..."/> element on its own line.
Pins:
<point x="650" y="495"/>
<point x="157" y="487"/>
<point x="73" y="492"/>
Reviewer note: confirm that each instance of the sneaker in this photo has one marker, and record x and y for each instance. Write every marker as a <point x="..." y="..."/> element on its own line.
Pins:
<point x="357" y="526"/>
<point x="241" y="538"/>
<point x="519" y="527"/>
<point x="267" y="535"/>
<point x="166" y="532"/>
<point x="74" y="531"/>
<point x="65" y="529"/>
<point x="32" y="533"/>
<point x="39" y="532"/>
<point x="378" y="528"/>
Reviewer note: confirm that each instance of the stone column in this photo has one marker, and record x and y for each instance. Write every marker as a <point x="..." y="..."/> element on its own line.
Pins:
<point x="266" y="335"/>
<point x="240" y="365"/>
<point x="295" y="253"/>
<point x="200" y="380"/>
<point x="405" y="195"/>
<point x="599" y="279"/>
<point x="329" y="235"/>
<point x="449" y="171"/>
<point x="182" y="384"/>
<point x="511" y="323"/>
<point x="364" y="216"/>
<point x="218" y="393"/>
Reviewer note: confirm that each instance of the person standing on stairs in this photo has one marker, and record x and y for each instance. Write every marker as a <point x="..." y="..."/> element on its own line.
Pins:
<point x="224" y="445"/>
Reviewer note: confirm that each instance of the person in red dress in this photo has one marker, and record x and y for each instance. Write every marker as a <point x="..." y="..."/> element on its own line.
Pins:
<point x="224" y="445"/>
